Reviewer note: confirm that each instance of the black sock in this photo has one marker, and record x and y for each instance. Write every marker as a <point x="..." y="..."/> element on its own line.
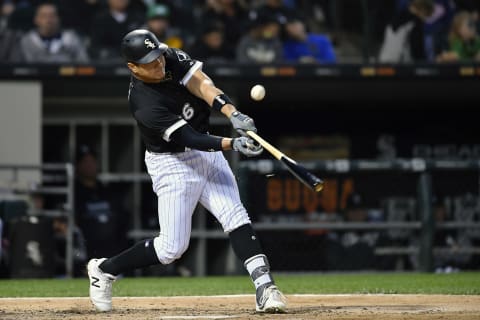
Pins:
<point x="245" y="243"/>
<point x="140" y="255"/>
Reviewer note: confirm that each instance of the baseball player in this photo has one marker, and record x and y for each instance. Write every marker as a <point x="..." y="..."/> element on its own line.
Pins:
<point x="171" y="98"/>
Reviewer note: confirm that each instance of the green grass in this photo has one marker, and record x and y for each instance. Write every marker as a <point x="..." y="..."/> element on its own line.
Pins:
<point x="411" y="283"/>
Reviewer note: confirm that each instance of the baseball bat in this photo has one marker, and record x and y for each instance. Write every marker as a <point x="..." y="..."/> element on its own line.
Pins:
<point x="302" y="174"/>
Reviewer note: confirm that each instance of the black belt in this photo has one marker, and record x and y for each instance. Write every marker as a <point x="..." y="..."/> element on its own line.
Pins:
<point x="174" y="151"/>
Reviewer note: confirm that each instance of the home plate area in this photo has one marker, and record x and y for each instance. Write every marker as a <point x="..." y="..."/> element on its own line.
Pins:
<point x="361" y="306"/>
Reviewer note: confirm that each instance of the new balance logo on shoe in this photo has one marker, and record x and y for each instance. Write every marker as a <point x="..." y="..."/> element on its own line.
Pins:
<point x="95" y="281"/>
<point x="100" y="290"/>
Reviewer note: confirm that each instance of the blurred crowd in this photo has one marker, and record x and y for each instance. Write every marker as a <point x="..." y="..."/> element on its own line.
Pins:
<point x="433" y="31"/>
<point x="246" y="31"/>
<point x="82" y="31"/>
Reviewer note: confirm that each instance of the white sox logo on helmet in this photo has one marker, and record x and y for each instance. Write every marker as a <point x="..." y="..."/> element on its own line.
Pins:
<point x="150" y="44"/>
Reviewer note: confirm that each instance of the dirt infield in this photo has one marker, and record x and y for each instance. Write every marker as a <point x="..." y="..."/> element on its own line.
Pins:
<point x="390" y="307"/>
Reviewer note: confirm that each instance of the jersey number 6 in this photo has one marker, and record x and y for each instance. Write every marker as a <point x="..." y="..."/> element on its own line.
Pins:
<point x="187" y="111"/>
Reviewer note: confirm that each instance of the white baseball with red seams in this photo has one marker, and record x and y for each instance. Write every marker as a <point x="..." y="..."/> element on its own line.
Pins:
<point x="257" y="92"/>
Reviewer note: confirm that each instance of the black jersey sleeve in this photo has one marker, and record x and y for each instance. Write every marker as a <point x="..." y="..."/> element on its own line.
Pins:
<point x="151" y="112"/>
<point x="182" y="65"/>
<point x="161" y="121"/>
<point x="187" y="136"/>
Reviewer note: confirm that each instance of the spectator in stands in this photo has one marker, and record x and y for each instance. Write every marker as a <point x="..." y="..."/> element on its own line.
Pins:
<point x="48" y="43"/>
<point x="158" y="21"/>
<point x="404" y="39"/>
<point x="21" y="18"/>
<point x="8" y="41"/>
<point x="321" y="13"/>
<point x="78" y="15"/>
<point x="262" y="43"/>
<point x="464" y="42"/>
<point x="300" y="46"/>
<point x="436" y="28"/>
<point x="95" y="211"/>
<point x="8" y="37"/>
<point x="276" y="9"/>
<point x="231" y="14"/>
<point x="210" y="45"/>
<point x="109" y="27"/>
<point x="472" y="6"/>
<point x="6" y="9"/>
<point x="181" y="15"/>
<point x="182" y="18"/>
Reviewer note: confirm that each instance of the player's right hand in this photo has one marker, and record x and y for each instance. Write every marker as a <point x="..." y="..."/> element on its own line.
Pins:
<point x="246" y="146"/>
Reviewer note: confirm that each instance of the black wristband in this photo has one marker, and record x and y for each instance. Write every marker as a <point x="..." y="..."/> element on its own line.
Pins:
<point x="221" y="100"/>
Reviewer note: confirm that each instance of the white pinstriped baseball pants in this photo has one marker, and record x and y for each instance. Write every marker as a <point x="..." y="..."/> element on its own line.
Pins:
<point x="181" y="180"/>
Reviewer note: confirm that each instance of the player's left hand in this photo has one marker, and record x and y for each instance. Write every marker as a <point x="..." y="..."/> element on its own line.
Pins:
<point x="242" y="123"/>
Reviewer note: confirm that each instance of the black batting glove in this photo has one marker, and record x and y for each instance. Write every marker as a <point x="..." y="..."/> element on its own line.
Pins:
<point x="246" y="146"/>
<point x="242" y="123"/>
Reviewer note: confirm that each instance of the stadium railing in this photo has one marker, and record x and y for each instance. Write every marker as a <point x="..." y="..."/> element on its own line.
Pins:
<point x="426" y="224"/>
<point x="66" y="190"/>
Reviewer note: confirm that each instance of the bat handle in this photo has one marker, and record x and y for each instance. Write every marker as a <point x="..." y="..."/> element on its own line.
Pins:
<point x="266" y="145"/>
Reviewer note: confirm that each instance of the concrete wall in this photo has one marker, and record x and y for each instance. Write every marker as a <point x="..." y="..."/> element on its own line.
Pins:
<point x="20" y="127"/>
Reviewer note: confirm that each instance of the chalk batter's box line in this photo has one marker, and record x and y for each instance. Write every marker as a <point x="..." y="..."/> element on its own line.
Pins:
<point x="303" y="295"/>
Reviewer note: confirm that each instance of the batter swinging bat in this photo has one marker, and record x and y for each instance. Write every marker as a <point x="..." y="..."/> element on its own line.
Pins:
<point x="302" y="174"/>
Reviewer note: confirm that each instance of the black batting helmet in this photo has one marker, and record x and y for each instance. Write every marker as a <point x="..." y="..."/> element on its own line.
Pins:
<point x="142" y="46"/>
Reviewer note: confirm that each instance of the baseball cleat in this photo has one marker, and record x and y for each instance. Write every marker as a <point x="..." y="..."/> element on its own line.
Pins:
<point x="271" y="300"/>
<point x="100" y="286"/>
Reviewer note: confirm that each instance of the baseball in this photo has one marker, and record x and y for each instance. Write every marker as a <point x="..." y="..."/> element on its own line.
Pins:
<point x="258" y="92"/>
